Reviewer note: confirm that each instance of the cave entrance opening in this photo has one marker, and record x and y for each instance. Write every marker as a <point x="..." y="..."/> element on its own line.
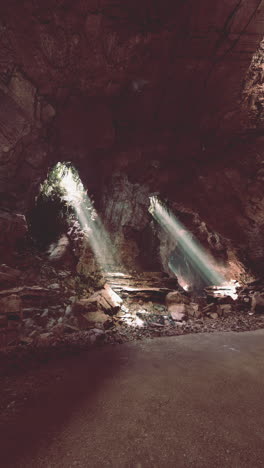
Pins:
<point x="52" y="213"/>
<point x="189" y="259"/>
<point x="64" y="206"/>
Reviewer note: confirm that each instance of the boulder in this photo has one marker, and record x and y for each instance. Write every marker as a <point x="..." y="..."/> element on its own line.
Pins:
<point x="11" y="305"/>
<point x="88" y="320"/>
<point x="45" y="339"/>
<point x="176" y="297"/>
<point x="193" y="310"/>
<point x="84" y="306"/>
<point x="214" y="315"/>
<point x="68" y="311"/>
<point x="105" y="299"/>
<point x="209" y="309"/>
<point x="224" y="310"/>
<point x="178" y="306"/>
<point x="257" y="304"/>
<point x="178" y="312"/>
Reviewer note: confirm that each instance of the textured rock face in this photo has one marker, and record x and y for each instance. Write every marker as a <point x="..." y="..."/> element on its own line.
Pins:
<point x="152" y="90"/>
<point x="13" y="228"/>
<point x="253" y="92"/>
<point x="136" y="46"/>
<point x="125" y="213"/>
<point x="23" y="151"/>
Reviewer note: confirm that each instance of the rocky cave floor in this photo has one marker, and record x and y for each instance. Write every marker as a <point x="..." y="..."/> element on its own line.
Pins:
<point x="47" y="310"/>
<point x="47" y="313"/>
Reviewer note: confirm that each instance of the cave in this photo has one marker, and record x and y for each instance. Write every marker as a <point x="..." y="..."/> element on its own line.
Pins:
<point x="131" y="196"/>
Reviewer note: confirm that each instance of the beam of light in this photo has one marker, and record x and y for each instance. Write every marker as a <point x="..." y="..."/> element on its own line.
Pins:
<point x="200" y="260"/>
<point x="88" y="218"/>
<point x="181" y="280"/>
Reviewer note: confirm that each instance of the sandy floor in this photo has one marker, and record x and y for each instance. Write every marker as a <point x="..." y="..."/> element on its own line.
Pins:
<point x="189" y="401"/>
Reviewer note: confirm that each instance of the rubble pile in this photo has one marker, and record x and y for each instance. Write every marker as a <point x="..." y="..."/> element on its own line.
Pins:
<point x="52" y="306"/>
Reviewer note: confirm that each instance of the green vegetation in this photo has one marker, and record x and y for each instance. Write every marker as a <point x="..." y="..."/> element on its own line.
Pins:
<point x="60" y="195"/>
<point x="63" y="184"/>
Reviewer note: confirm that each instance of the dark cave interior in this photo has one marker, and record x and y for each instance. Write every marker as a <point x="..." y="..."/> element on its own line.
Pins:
<point x="131" y="213"/>
<point x="145" y="99"/>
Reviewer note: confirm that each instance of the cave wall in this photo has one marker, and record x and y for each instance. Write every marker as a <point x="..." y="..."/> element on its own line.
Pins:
<point x="151" y="89"/>
<point x="124" y="209"/>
